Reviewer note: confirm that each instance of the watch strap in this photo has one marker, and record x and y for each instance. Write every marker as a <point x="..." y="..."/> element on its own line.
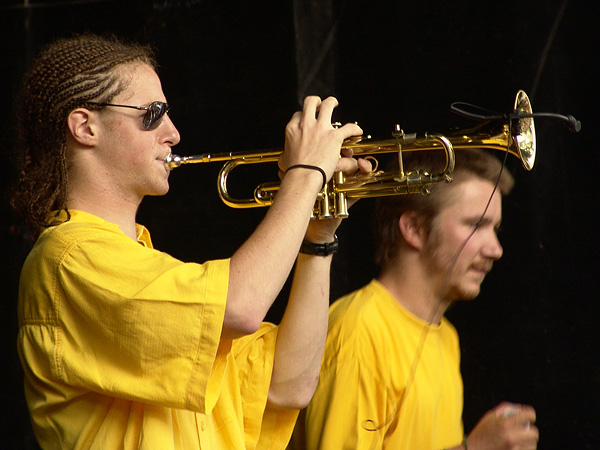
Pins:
<point x="308" y="248"/>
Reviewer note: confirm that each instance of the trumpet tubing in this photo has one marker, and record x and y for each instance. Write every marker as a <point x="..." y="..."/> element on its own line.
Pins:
<point x="332" y="200"/>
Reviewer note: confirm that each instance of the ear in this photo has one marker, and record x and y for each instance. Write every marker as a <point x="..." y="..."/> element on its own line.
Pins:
<point x="412" y="229"/>
<point x="81" y="126"/>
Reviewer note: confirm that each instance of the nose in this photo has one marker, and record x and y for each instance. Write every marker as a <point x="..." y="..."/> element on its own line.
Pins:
<point x="493" y="249"/>
<point x="170" y="131"/>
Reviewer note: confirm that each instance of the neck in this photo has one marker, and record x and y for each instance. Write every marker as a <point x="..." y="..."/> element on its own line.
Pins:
<point x="95" y="189"/>
<point x="106" y="203"/>
<point x="123" y="217"/>
<point x="415" y="290"/>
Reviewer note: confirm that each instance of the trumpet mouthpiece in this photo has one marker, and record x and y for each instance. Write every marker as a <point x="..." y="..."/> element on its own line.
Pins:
<point x="172" y="161"/>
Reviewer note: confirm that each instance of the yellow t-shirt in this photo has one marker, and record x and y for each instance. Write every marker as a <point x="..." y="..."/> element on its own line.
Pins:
<point x="372" y="344"/>
<point x="121" y="348"/>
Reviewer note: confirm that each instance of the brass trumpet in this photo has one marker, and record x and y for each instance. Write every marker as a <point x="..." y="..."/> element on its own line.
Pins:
<point x="332" y="200"/>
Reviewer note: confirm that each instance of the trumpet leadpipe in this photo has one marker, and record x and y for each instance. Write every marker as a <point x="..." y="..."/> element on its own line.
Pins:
<point x="173" y="161"/>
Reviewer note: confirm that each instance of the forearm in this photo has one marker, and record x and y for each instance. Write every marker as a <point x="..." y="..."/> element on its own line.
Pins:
<point x="260" y="267"/>
<point x="302" y="333"/>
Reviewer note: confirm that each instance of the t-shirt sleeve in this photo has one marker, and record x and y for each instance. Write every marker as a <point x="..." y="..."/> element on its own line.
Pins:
<point x="133" y="322"/>
<point x="267" y="427"/>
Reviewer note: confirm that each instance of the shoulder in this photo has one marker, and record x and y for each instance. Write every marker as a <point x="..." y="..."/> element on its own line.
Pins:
<point x="359" y="323"/>
<point x="363" y="308"/>
<point x="353" y="310"/>
<point x="79" y="227"/>
<point x="87" y="245"/>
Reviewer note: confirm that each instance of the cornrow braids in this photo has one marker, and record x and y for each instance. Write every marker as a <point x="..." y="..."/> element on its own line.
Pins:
<point x="66" y="75"/>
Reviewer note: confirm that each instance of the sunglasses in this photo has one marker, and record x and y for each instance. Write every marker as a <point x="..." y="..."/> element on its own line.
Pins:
<point x="154" y="112"/>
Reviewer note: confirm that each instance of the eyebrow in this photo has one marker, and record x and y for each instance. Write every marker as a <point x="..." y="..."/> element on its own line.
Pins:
<point x="487" y="221"/>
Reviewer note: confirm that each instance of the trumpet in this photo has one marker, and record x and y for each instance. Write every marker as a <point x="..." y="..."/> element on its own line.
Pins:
<point x="332" y="200"/>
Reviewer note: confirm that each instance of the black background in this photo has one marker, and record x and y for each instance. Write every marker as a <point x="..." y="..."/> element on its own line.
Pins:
<point x="234" y="72"/>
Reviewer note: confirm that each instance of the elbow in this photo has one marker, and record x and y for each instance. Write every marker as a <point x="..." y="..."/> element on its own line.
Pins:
<point x="245" y="311"/>
<point x="306" y="394"/>
<point x="302" y="399"/>
<point x="293" y="397"/>
<point x="240" y="323"/>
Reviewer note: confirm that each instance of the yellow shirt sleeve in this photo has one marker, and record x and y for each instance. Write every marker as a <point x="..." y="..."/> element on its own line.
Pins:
<point x="249" y="376"/>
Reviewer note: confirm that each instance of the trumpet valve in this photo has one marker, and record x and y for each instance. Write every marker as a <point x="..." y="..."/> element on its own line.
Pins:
<point x="398" y="132"/>
<point x="324" y="204"/>
<point x="340" y="201"/>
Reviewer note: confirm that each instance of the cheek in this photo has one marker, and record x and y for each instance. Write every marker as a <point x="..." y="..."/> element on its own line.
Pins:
<point x="459" y="247"/>
<point x="469" y="253"/>
<point x="138" y="151"/>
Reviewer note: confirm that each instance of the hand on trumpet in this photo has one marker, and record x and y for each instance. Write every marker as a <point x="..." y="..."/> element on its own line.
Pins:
<point x="312" y="142"/>
<point x="322" y="231"/>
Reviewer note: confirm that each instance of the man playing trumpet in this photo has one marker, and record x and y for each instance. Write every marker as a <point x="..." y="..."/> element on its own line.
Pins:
<point x="126" y="347"/>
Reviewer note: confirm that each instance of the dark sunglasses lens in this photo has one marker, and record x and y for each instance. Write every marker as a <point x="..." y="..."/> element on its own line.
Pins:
<point x="154" y="114"/>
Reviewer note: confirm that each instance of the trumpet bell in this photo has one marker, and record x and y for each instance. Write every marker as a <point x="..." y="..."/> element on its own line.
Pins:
<point x="525" y="137"/>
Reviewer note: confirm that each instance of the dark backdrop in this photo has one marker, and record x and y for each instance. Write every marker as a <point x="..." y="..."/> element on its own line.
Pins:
<point x="234" y="73"/>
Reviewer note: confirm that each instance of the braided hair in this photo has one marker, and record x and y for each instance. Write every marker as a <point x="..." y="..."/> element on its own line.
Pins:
<point x="66" y="75"/>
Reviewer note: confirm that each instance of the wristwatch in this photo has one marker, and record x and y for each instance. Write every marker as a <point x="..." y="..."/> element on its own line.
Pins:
<point x="308" y="248"/>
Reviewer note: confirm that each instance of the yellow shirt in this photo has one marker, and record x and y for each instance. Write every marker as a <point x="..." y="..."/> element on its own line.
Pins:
<point x="121" y="348"/>
<point x="372" y="344"/>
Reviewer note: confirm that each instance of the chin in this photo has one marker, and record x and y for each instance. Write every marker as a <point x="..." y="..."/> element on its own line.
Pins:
<point x="470" y="294"/>
<point x="159" y="191"/>
<point x="463" y="293"/>
<point x="164" y="186"/>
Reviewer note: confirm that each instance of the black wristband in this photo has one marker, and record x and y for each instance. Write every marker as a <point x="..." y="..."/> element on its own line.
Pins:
<point x="308" y="248"/>
<point x="307" y="166"/>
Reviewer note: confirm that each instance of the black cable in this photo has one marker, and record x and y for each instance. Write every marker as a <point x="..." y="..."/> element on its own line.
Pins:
<point x="487" y="115"/>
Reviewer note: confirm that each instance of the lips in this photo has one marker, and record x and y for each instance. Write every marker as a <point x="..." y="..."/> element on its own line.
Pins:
<point x="482" y="268"/>
<point x="162" y="160"/>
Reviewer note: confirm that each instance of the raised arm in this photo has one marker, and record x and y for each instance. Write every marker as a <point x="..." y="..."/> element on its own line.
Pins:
<point x="303" y="328"/>
<point x="262" y="264"/>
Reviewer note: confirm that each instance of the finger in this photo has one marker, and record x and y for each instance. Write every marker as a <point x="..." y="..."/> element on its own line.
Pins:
<point x="348" y="166"/>
<point x="506" y="410"/>
<point x="296" y="117"/>
<point x="529" y="437"/>
<point x="347" y="152"/>
<point x="312" y="104"/>
<point x="292" y="127"/>
<point x="351" y="166"/>
<point x="351" y="130"/>
<point x="527" y="418"/>
<point x="364" y="165"/>
<point x="326" y="109"/>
